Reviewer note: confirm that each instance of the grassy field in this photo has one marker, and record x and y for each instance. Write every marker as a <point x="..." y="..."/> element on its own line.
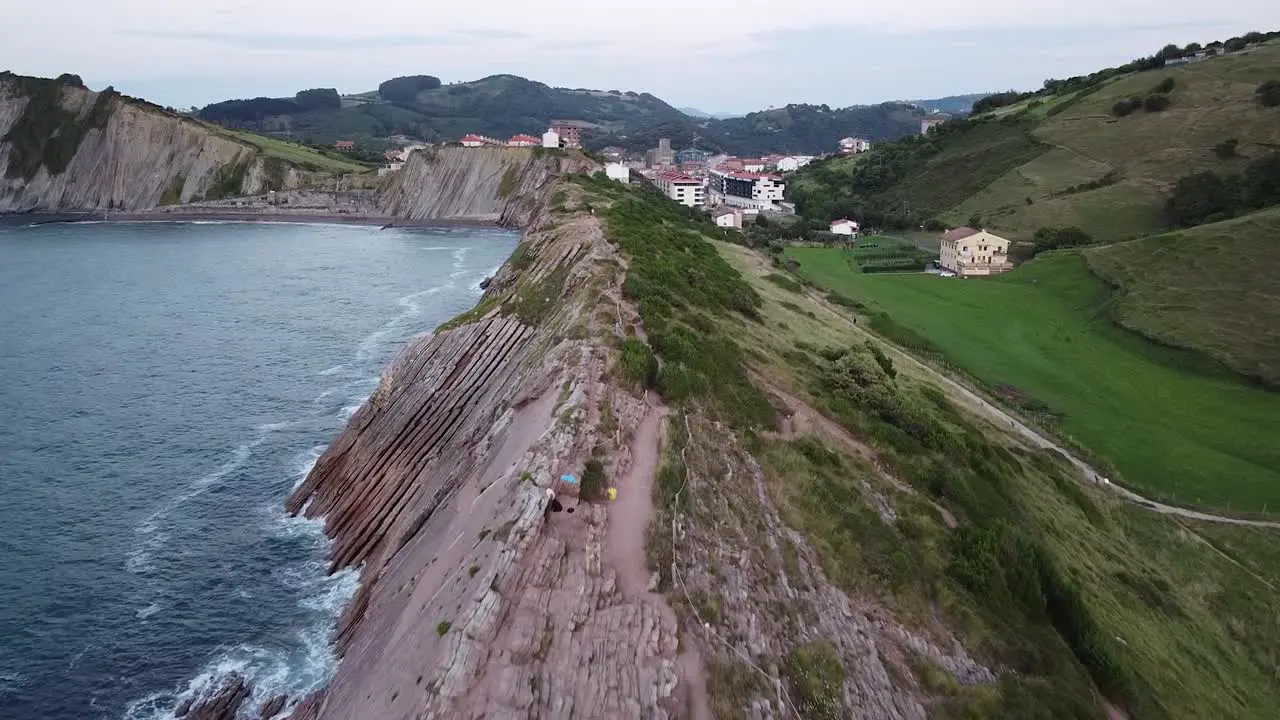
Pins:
<point x="1188" y="613"/>
<point x="1212" y="288"/>
<point x="300" y="155"/>
<point x="1171" y="426"/>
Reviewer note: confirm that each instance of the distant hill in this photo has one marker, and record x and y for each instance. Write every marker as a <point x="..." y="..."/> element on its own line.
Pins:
<point x="952" y="104"/>
<point x="503" y="105"/>
<point x="697" y="114"/>
<point x="1066" y="156"/>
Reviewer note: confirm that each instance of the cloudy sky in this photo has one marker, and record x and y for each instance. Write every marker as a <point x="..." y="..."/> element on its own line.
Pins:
<point x="717" y="55"/>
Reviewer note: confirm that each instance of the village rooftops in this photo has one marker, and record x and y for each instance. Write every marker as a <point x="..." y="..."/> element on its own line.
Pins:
<point x="524" y="139"/>
<point x="744" y="175"/>
<point x="959" y="233"/>
<point x="675" y="177"/>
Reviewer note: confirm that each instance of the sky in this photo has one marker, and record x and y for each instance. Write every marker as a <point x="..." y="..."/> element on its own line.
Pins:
<point x="729" y="56"/>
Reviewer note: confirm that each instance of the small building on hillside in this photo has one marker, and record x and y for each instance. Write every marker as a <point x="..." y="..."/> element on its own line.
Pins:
<point x="854" y="145"/>
<point x="973" y="253"/>
<point x="618" y="171"/>
<point x="792" y="163"/>
<point x="681" y="188"/>
<point x="472" y="141"/>
<point x="523" y="141"/>
<point x="844" y="227"/>
<point x="614" y="153"/>
<point x="345" y="145"/>
<point x="551" y="139"/>
<point x="931" y="122"/>
<point x="728" y="217"/>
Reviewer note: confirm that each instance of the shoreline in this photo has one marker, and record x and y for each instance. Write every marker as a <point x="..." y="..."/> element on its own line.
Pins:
<point x="208" y="215"/>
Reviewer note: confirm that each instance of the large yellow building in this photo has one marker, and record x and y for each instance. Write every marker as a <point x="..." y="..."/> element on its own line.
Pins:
<point x="970" y="253"/>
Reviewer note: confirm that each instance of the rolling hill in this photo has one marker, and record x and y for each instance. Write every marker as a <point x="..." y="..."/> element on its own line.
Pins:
<point x="1065" y="158"/>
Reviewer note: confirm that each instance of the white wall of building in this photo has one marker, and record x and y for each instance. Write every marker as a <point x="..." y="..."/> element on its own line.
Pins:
<point x="619" y="172"/>
<point x="551" y="139"/>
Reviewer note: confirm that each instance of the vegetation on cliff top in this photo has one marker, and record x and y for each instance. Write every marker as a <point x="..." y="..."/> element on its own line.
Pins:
<point x="47" y="135"/>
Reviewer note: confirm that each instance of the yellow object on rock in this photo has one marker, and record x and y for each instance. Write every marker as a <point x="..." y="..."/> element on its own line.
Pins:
<point x="613" y="493"/>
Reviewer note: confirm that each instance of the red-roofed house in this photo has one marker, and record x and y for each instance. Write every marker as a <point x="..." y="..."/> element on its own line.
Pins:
<point x="853" y="145"/>
<point x="472" y="141"/>
<point x="524" y="141"/>
<point x="681" y="188"/>
<point x="968" y="252"/>
<point x="345" y="145"/>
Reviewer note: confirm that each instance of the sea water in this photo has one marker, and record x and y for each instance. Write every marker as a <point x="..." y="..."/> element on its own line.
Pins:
<point x="163" y="388"/>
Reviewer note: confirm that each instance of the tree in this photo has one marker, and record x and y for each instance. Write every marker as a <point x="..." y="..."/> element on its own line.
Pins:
<point x="1197" y="197"/>
<point x="1164" y="86"/>
<point x="1226" y="149"/>
<point x="1191" y="48"/>
<point x="1169" y="52"/>
<point x="1125" y="107"/>
<point x="1261" y="182"/>
<point x="405" y="89"/>
<point x="1235" y="44"/>
<point x="318" y="99"/>
<point x="1269" y="93"/>
<point x="1052" y="238"/>
<point x="1155" y="103"/>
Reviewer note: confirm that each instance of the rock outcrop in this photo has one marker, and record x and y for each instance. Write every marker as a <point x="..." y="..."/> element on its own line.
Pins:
<point x="500" y="185"/>
<point x="64" y="147"/>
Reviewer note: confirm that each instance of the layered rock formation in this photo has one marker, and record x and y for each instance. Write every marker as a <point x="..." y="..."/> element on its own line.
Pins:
<point x="68" y="148"/>
<point x="500" y="185"/>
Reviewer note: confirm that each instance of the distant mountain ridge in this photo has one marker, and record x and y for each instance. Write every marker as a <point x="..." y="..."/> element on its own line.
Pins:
<point x="420" y="106"/>
<point x="951" y="104"/>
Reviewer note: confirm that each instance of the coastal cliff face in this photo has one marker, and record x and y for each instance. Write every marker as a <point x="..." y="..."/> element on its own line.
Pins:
<point x="501" y="185"/>
<point x="64" y="147"/>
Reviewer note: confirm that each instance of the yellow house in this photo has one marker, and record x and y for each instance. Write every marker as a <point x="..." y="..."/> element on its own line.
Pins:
<point x="970" y="253"/>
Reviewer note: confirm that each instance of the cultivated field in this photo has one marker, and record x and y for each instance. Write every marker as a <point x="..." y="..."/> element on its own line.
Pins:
<point x="1171" y="422"/>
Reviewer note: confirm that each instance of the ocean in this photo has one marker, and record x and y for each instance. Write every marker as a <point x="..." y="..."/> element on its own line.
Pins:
<point x="163" y="388"/>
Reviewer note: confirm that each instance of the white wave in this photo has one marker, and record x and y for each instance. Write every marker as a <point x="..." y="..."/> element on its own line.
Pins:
<point x="437" y="247"/>
<point x="148" y="611"/>
<point x="11" y="681"/>
<point x="350" y="410"/>
<point x="333" y="370"/>
<point x="272" y="427"/>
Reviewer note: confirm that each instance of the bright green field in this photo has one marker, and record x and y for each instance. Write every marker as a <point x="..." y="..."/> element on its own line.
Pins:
<point x="1172" y="426"/>
<point x="298" y="154"/>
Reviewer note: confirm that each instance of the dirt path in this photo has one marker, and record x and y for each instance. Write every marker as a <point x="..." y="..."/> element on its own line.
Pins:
<point x="629" y="518"/>
<point x="1000" y="417"/>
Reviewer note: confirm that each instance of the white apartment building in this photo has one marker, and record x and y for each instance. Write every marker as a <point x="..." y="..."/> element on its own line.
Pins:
<point x="619" y="172"/>
<point x="681" y="188"/>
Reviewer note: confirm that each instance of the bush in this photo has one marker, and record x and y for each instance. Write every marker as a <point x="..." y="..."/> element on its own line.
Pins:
<point x="815" y="673"/>
<point x="594" y="483"/>
<point x="405" y="89"/>
<point x="1053" y="238"/>
<point x="1198" y="197"/>
<point x="1269" y="93"/>
<point x="1226" y="149"/>
<point x="784" y="282"/>
<point x="1156" y="103"/>
<point x="1164" y="86"/>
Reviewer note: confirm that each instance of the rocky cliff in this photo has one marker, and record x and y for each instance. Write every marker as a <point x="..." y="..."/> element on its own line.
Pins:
<point x="64" y="147"/>
<point x="499" y="185"/>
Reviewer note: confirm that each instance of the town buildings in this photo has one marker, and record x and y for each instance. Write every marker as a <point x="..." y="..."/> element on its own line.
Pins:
<point x="619" y="172"/>
<point x="614" y="153"/>
<point x="681" y="188"/>
<point x="931" y="122"/>
<point x="753" y="165"/>
<point x="570" y="134"/>
<point x="691" y="156"/>
<point x="551" y="139"/>
<point x="854" y="145"/>
<point x="792" y="163"/>
<point x="753" y="190"/>
<point x="728" y="217"/>
<point x="345" y="145"/>
<point x="661" y="156"/>
<point x="971" y="253"/>
<point x="523" y="141"/>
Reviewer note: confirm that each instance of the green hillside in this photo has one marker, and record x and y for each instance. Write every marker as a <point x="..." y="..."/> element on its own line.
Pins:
<point x="1212" y="288"/>
<point x="1066" y="158"/>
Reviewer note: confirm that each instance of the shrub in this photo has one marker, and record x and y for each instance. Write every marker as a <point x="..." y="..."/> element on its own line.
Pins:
<point x="784" y="282"/>
<point x="1269" y="93"/>
<point x="1155" y="103"/>
<point x="1164" y="86"/>
<point x="442" y="627"/>
<point x="639" y="363"/>
<point x="1052" y="238"/>
<point x="1226" y="149"/>
<point x="594" y="483"/>
<point x="816" y="675"/>
<point x="1197" y="197"/>
<point x="1126" y="107"/>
